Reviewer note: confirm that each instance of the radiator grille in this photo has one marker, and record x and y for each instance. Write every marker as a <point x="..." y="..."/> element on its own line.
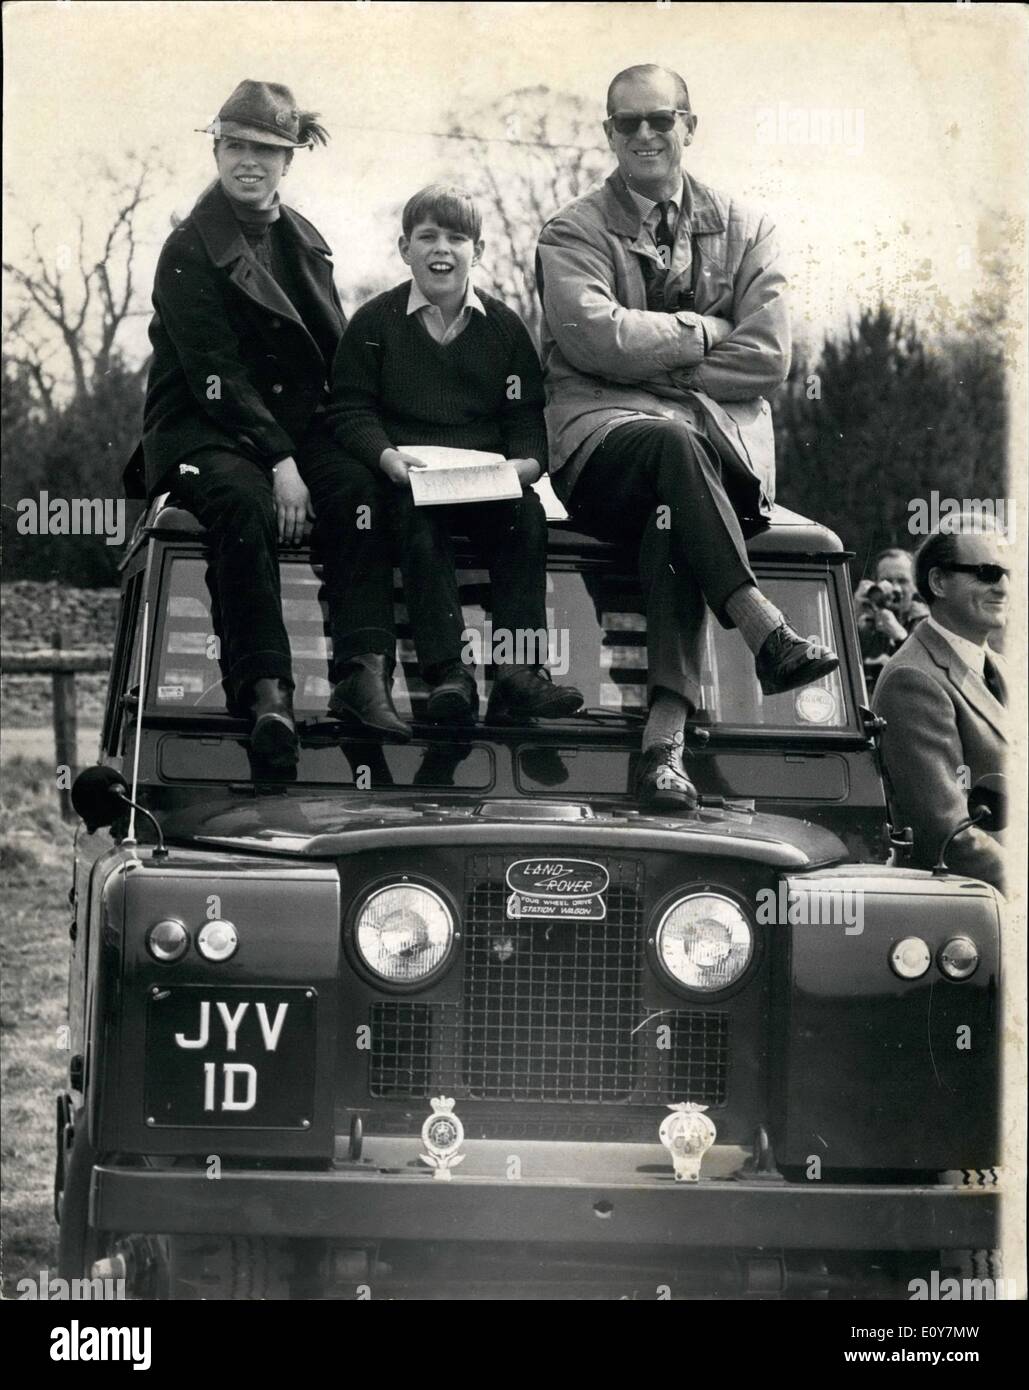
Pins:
<point x="549" y="1012"/>
<point x="698" y="1055"/>
<point x="549" y="1007"/>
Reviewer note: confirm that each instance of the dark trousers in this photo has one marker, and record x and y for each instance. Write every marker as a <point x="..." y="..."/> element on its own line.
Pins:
<point x="511" y="538"/>
<point x="657" y="485"/>
<point x="233" y="499"/>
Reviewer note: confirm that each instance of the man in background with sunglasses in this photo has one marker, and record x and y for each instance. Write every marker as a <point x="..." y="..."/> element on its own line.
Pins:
<point x="665" y="328"/>
<point x="944" y="697"/>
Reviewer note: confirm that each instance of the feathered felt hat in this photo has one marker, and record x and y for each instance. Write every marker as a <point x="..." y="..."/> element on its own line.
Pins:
<point x="266" y="113"/>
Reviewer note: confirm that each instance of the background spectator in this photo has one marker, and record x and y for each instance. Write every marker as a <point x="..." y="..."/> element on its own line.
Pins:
<point x="887" y="609"/>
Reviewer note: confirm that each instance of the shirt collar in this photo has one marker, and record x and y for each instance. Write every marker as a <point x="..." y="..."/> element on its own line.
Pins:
<point x="971" y="653"/>
<point x="647" y="205"/>
<point x="417" y="300"/>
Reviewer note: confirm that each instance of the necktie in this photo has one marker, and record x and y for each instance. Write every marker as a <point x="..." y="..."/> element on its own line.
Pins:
<point x="993" y="683"/>
<point x="664" y="236"/>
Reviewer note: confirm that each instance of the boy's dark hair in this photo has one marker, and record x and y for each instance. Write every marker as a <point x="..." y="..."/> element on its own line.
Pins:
<point x="447" y="206"/>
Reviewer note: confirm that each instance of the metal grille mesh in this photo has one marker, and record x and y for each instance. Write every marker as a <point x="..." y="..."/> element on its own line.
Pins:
<point x="698" y="1056"/>
<point x="400" y="1065"/>
<point x="550" y="1012"/>
<point x="550" y="1007"/>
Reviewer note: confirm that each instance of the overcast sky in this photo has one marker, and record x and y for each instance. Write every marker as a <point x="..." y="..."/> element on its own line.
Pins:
<point x="924" y="106"/>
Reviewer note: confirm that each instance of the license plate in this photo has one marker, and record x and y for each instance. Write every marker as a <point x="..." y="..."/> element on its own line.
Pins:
<point x="230" y="1058"/>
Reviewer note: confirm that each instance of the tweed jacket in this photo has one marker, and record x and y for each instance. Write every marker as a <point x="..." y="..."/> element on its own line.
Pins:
<point x="235" y="365"/>
<point x="944" y="730"/>
<point x="606" y="356"/>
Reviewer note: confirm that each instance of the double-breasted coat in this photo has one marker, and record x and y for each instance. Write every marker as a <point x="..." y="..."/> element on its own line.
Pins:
<point x="235" y="365"/>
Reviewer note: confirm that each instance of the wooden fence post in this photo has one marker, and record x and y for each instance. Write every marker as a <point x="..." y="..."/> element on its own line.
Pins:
<point x="62" y="666"/>
<point x="66" y="732"/>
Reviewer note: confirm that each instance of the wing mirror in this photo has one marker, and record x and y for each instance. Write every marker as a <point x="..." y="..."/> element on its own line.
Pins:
<point x="987" y="805"/>
<point x="990" y="793"/>
<point x="100" y="795"/>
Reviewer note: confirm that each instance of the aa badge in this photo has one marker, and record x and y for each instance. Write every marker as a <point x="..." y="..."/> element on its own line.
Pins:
<point x="687" y="1133"/>
<point x="443" y="1135"/>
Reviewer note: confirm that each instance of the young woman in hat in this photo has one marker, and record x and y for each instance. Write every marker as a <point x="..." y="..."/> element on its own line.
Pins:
<point x="247" y="320"/>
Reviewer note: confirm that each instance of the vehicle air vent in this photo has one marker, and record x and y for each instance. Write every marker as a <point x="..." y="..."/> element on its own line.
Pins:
<point x="533" y="810"/>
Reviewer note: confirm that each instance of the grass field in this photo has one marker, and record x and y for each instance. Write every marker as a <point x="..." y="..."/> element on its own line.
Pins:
<point x="35" y="872"/>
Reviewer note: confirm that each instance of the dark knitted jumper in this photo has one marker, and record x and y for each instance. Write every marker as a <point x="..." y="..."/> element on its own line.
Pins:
<point x="393" y="385"/>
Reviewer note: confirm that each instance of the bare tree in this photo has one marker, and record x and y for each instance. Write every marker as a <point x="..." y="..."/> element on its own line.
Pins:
<point x="66" y="309"/>
<point x="525" y="155"/>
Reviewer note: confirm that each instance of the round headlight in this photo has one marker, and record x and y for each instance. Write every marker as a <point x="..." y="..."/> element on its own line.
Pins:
<point x="910" y="958"/>
<point x="167" y="940"/>
<point x="704" y="941"/>
<point x="404" y="932"/>
<point x="958" y="958"/>
<point x="217" y="940"/>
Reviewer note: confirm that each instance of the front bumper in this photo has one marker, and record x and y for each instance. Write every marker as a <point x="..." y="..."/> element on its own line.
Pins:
<point x="548" y="1193"/>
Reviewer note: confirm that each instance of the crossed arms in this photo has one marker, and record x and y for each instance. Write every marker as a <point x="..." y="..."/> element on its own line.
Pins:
<point x="735" y="355"/>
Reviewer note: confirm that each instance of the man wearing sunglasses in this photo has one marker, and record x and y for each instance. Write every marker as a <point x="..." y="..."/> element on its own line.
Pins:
<point x="944" y="697"/>
<point x="665" y="328"/>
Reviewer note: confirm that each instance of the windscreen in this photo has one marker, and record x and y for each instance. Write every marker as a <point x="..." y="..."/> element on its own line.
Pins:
<point x="595" y="639"/>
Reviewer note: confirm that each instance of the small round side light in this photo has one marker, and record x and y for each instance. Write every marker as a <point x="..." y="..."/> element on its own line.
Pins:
<point x="910" y="958"/>
<point x="167" y="940"/>
<point x="958" y="958"/>
<point x="217" y="940"/>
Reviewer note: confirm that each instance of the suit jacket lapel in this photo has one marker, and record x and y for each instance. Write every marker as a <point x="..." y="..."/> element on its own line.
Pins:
<point x="970" y="686"/>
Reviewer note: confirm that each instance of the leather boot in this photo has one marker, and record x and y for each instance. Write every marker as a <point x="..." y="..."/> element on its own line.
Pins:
<point x="525" y="693"/>
<point x="273" y="738"/>
<point x="453" y="695"/>
<point x="662" y="782"/>
<point x="362" y="696"/>
<point x="787" y="660"/>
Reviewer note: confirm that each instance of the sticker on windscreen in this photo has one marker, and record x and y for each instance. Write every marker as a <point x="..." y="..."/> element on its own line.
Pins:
<point x="815" y="705"/>
<point x="557" y="889"/>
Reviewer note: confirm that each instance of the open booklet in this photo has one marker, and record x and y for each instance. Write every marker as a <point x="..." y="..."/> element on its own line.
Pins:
<point x="471" y="475"/>
<point x="460" y="475"/>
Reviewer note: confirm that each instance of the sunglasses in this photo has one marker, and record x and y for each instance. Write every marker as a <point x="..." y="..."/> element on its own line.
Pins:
<point x="660" y="121"/>
<point x="985" y="574"/>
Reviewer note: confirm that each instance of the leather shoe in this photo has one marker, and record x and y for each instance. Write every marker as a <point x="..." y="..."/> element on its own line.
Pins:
<point x="453" y="697"/>
<point x="273" y="738"/>
<point x="363" y="696"/>
<point x="787" y="660"/>
<point x="528" y="692"/>
<point x="661" y="780"/>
